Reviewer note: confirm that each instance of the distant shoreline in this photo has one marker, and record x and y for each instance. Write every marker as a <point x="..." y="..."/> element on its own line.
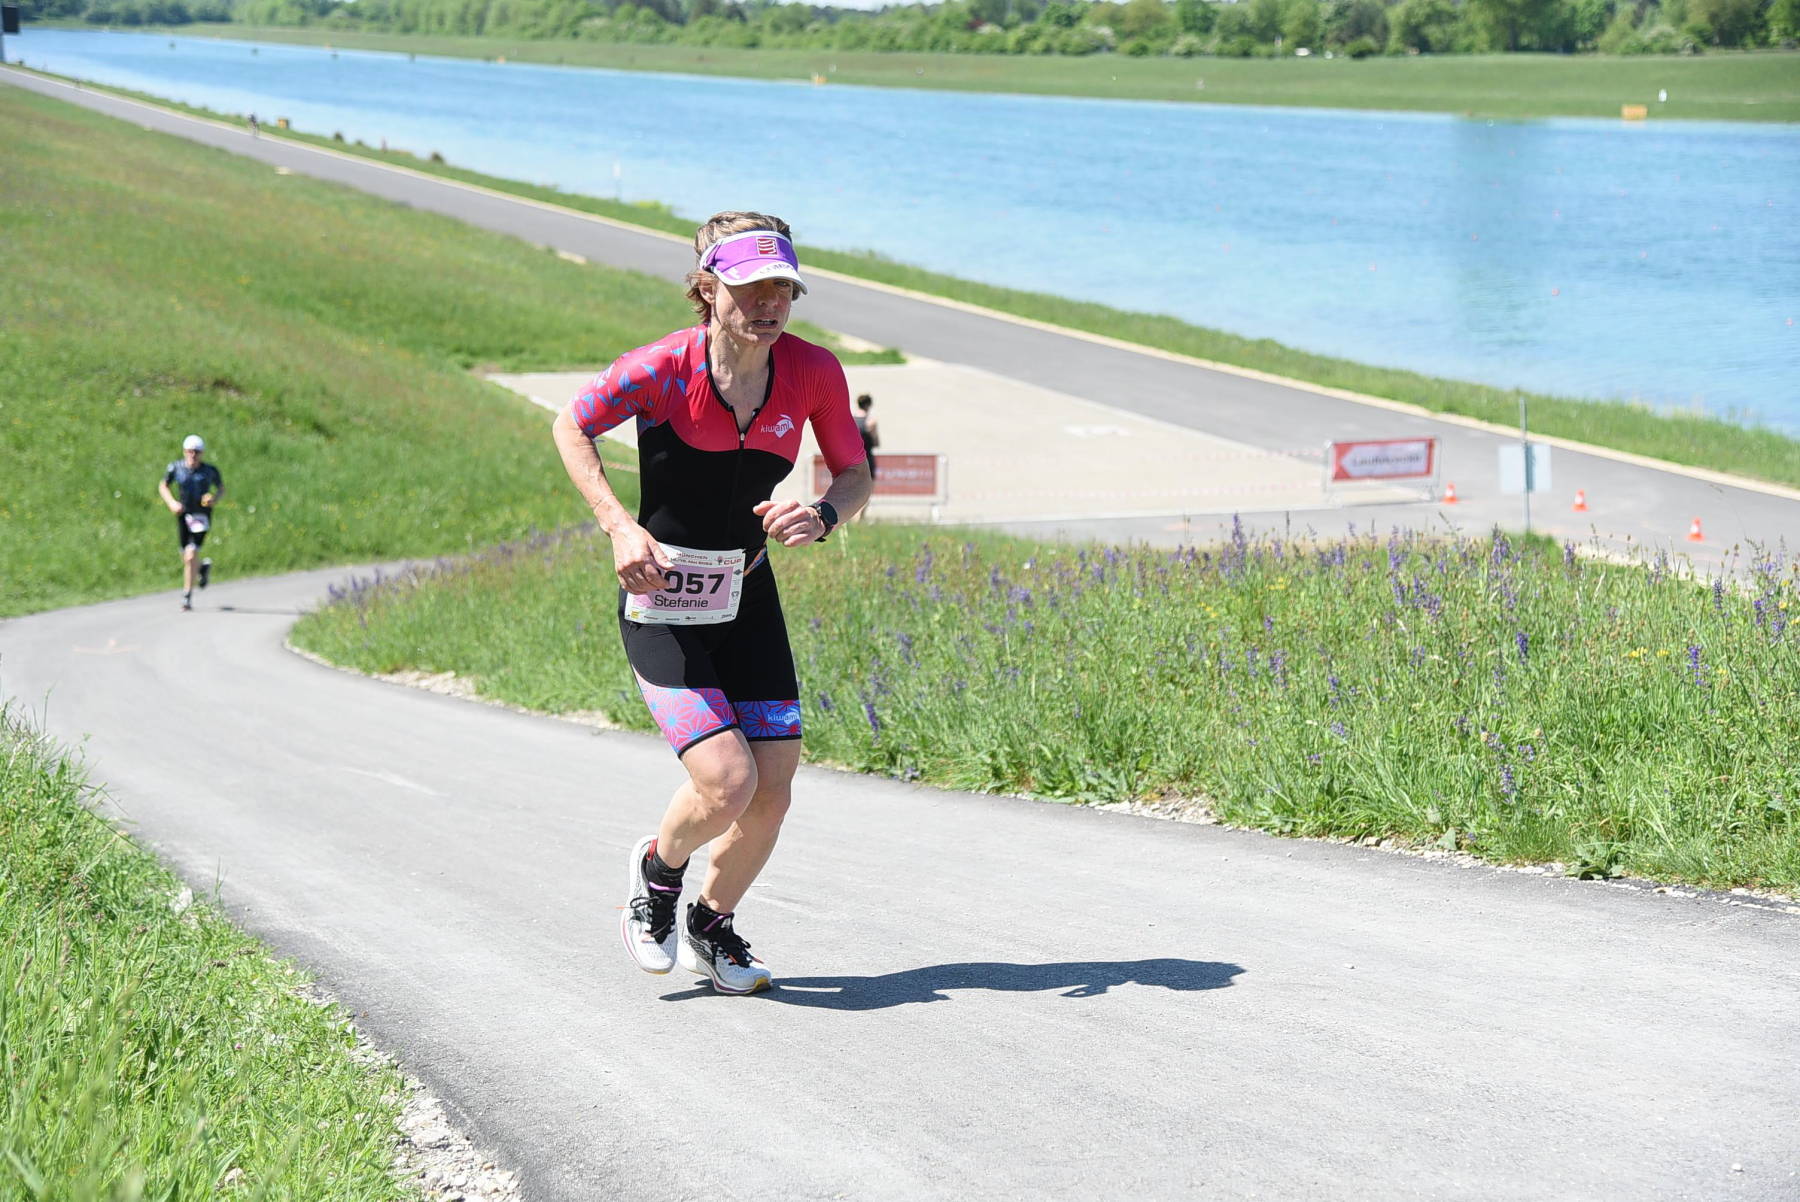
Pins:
<point x="1751" y="86"/>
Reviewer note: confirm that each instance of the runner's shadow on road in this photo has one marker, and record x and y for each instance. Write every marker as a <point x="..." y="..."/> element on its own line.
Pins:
<point x="1080" y="978"/>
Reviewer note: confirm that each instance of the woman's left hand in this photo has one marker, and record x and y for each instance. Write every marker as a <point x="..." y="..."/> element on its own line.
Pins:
<point x="790" y="523"/>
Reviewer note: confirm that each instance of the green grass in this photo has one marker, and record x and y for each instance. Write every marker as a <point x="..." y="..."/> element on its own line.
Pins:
<point x="149" y="1050"/>
<point x="1725" y="86"/>
<point x="1513" y="701"/>
<point x="1695" y="439"/>
<point x="319" y="339"/>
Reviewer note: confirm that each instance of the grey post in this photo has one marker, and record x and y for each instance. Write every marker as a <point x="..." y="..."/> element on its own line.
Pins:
<point x="1525" y="445"/>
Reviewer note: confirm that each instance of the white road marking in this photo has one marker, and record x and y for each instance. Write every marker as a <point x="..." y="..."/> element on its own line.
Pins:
<point x="395" y="779"/>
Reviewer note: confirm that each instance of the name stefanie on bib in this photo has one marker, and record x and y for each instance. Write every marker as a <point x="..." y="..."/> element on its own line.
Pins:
<point x="704" y="588"/>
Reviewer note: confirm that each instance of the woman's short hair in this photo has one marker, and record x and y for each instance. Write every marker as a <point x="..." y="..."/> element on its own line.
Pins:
<point x="715" y="228"/>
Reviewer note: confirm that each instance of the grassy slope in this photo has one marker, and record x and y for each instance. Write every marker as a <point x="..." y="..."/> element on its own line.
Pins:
<point x="1763" y="86"/>
<point x="316" y="337"/>
<point x="1513" y="701"/>
<point x="151" y="1051"/>
<point x="1688" y="438"/>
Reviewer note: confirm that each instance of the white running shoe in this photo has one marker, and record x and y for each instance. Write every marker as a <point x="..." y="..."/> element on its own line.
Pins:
<point x="715" y="950"/>
<point x="647" y="923"/>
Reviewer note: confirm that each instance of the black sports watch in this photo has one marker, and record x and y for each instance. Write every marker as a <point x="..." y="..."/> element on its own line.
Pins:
<point x="828" y="514"/>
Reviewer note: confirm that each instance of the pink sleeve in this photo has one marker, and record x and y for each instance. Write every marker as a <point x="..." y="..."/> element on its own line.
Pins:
<point x="832" y="424"/>
<point x="638" y="384"/>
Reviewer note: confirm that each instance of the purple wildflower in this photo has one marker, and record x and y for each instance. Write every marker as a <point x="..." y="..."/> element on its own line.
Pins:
<point x="1522" y="641"/>
<point x="874" y="721"/>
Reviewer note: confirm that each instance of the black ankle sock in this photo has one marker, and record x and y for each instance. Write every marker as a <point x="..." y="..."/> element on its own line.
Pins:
<point x="700" y="915"/>
<point x="656" y="870"/>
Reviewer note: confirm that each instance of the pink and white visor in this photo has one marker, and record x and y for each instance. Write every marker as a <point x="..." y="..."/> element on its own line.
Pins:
<point x="754" y="255"/>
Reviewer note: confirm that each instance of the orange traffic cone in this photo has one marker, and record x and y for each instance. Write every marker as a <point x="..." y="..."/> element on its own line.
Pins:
<point x="1694" y="535"/>
<point x="1581" y="500"/>
<point x="1449" y="493"/>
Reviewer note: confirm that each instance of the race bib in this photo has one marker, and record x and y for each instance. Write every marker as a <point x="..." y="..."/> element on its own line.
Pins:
<point x="704" y="588"/>
<point x="197" y="523"/>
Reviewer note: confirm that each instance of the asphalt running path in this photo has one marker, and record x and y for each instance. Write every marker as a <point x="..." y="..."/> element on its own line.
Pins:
<point x="1631" y="504"/>
<point x="979" y="996"/>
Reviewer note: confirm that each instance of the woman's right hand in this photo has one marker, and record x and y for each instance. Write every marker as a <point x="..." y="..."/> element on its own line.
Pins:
<point x="175" y="507"/>
<point x="639" y="561"/>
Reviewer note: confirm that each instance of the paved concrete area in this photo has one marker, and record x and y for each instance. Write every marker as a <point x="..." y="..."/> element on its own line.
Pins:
<point x="1021" y="452"/>
<point x="980" y="997"/>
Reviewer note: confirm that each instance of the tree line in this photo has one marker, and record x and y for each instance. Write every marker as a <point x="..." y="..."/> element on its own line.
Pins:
<point x="1244" y="29"/>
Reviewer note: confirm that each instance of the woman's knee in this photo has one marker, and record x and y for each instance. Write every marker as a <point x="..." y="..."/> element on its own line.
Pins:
<point x="772" y="800"/>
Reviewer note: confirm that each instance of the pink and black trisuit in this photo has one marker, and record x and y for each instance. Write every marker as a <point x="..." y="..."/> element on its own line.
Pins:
<point x="701" y="478"/>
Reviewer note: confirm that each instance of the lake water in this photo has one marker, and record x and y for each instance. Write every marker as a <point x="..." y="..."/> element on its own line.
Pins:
<point x="1656" y="261"/>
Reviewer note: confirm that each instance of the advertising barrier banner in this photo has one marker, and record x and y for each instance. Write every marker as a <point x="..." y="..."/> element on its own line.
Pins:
<point x="914" y="477"/>
<point x="1382" y="459"/>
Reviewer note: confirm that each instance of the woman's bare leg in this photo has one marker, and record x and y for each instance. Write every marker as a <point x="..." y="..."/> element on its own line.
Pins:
<point x="739" y="854"/>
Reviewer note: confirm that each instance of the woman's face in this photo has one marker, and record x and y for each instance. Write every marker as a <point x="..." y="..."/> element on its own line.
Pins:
<point x="751" y="314"/>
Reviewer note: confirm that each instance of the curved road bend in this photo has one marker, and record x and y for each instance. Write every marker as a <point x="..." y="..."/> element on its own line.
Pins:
<point x="1630" y="504"/>
<point x="978" y="996"/>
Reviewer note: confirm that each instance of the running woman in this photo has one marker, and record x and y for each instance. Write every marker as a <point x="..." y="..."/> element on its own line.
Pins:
<point x="719" y="409"/>
<point x="198" y="487"/>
